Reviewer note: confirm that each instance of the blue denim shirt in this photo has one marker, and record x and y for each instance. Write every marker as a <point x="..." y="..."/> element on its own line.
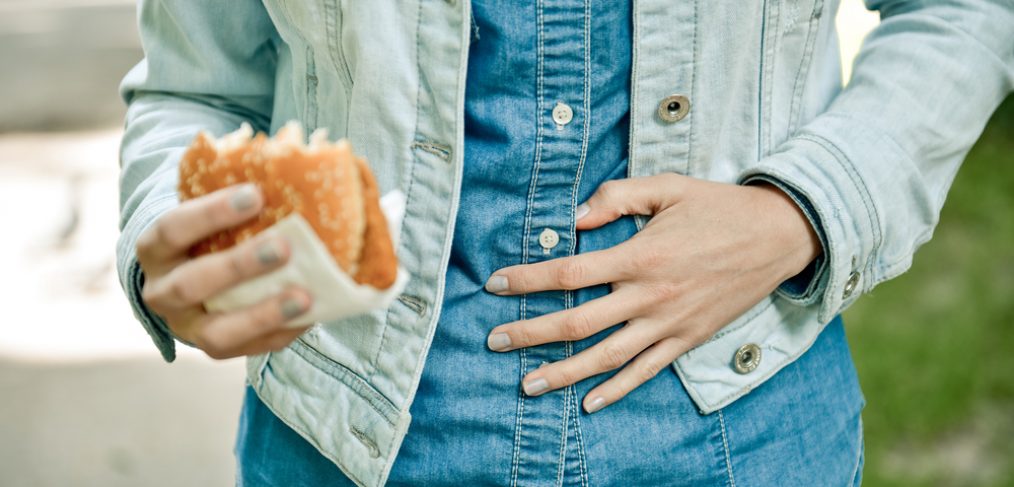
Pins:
<point x="764" y="100"/>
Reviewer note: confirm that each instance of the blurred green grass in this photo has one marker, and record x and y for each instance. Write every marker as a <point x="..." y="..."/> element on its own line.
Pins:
<point x="935" y="347"/>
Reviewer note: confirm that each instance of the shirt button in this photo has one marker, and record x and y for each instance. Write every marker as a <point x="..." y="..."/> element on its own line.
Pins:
<point x="562" y="114"/>
<point x="747" y="358"/>
<point x="850" y="285"/>
<point x="548" y="239"/>
<point x="673" y="108"/>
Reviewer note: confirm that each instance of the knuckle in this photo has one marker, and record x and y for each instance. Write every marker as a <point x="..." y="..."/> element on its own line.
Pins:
<point x="570" y="274"/>
<point x="266" y="318"/>
<point x="613" y="356"/>
<point x="145" y="244"/>
<point x="216" y="353"/>
<point x="608" y="190"/>
<point x="576" y="325"/>
<point x="180" y="292"/>
<point x="647" y="371"/>
<point x="565" y="377"/>
<point x="649" y="257"/>
<point x="661" y="291"/>
<point x="236" y="264"/>
<point x="165" y="234"/>
<point x="212" y="345"/>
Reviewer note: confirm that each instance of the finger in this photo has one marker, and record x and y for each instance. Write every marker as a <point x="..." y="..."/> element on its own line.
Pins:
<point x="176" y="231"/>
<point x="196" y="280"/>
<point x="640" y="370"/>
<point x="272" y="342"/>
<point x="222" y="335"/>
<point x="570" y="324"/>
<point x="575" y="272"/>
<point x="633" y="196"/>
<point x="611" y="353"/>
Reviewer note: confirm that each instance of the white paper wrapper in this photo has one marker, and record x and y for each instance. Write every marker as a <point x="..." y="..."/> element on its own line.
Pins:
<point x="311" y="267"/>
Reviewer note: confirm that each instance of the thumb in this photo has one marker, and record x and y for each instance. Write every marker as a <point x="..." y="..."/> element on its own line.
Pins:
<point x="632" y="196"/>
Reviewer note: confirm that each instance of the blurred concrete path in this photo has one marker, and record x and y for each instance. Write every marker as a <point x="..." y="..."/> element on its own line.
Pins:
<point x="85" y="399"/>
<point x="62" y="62"/>
<point x="118" y="422"/>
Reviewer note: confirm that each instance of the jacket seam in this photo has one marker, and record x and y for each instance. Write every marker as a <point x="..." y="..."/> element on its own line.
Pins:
<point x="872" y="215"/>
<point x="408" y="191"/>
<point x="743" y="390"/>
<point x="725" y="448"/>
<point x="312" y="439"/>
<point x="580" y="443"/>
<point x="804" y="66"/>
<point x="692" y="131"/>
<point x="343" y="374"/>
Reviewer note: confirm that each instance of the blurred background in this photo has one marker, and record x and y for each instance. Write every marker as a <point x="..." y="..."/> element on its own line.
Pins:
<point x="85" y="400"/>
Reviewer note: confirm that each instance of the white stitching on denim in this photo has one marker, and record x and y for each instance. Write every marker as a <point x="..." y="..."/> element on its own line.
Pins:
<point x="516" y="454"/>
<point x="805" y="62"/>
<point x="408" y="191"/>
<point x="440" y="150"/>
<point x="561" y="458"/>
<point x="527" y="233"/>
<point x="725" y="446"/>
<point x="692" y="130"/>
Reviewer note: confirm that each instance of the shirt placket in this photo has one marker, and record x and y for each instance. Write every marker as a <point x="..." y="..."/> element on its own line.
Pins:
<point x="541" y="441"/>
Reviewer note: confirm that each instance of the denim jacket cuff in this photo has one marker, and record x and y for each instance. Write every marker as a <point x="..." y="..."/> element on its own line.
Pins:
<point x="803" y="288"/>
<point x="844" y="216"/>
<point x="132" y="277"/>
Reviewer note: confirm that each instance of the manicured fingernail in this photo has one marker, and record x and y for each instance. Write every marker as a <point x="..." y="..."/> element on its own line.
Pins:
<point x="581" y="211"/>
<point x="244" y="198"/>
<point x="595" y="404"/>
<point x="269" y="253"/>
<point x="292" y="308"/>
<point x="537" y="386"/>
<point x="497" y="284"/>
<point x="498" y="342"/>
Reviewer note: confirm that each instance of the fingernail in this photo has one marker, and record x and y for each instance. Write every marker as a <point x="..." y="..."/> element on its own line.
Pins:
<point x="536" y="386"/>
<point x="498" y="342"/>
<point x="496" y="284"/>
<point x="244" y="198"/>
<point x="269" y="253"/>
<point x="595" y="404"/>
<point x="292" y="308"/>
<point x="581" y="211"/>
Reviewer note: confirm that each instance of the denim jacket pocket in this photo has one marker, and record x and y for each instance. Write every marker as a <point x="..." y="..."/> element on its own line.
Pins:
<point x="334" y="21"/>
<point x="791" y="28"/>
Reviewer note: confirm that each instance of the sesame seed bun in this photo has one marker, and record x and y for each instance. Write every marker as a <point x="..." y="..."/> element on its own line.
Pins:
<point x="331" y="188"/>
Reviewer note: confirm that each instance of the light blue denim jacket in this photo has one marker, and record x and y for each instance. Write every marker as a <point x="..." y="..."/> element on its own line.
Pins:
<point x="763" y="99"/>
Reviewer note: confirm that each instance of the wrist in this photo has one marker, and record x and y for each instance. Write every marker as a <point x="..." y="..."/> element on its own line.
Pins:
<point x="791" y="230"/>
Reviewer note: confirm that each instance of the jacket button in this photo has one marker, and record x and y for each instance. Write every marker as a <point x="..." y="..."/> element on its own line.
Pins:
<point x="747" y="358"/>
<point x="673" y="108"/>
<point x="850" y="285"/>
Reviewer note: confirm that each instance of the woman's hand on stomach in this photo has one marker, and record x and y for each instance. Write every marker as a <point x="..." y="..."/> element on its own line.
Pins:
<point x="710" y="252"/>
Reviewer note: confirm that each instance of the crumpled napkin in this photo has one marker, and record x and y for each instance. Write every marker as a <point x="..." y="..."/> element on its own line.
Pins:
<point x="310" y="266"/>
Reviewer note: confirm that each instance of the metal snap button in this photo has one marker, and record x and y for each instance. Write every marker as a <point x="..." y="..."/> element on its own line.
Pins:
<point x="850" y="285"/>
<point x="673" y="108"/>
<point x="747" y="358"/>
<point x="549" y="238"/>
<point x="562" y="114"/>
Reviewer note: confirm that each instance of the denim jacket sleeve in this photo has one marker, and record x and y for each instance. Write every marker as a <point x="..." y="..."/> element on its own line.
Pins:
<point x="209" y="65"/>
<point x="875" y="167"/>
